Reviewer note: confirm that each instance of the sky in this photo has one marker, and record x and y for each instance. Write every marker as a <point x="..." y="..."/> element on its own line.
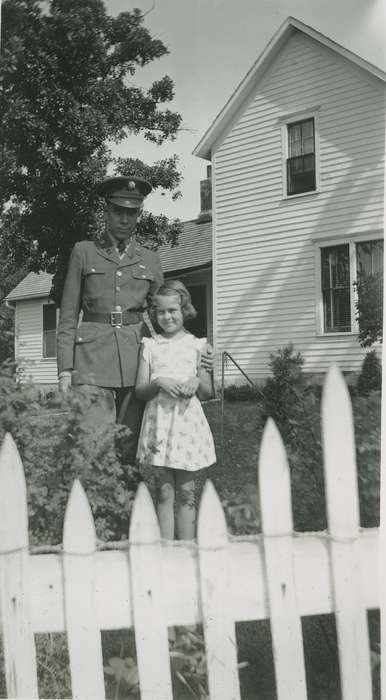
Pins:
<point x="212" y="45"/>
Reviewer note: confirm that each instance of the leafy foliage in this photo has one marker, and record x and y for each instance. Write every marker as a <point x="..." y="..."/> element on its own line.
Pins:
<point x="294" y="403"/>
<point x="66" y="92"/>
<point x="369" y="307"/>
<point x="370" y="377"/>
<point x="57" y="444"/>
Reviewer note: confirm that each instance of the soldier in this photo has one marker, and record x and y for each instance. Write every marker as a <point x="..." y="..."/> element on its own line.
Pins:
<point x="109" y="281"/>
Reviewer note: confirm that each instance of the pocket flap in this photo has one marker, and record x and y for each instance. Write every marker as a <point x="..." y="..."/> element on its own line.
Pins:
<point x="142" y="273"/>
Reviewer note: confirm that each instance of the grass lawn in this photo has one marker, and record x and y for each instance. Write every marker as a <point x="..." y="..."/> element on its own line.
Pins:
<point x="235" y="473"/>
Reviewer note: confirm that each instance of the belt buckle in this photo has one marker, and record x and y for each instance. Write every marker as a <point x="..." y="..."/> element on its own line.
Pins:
<point x="116" y="318"/>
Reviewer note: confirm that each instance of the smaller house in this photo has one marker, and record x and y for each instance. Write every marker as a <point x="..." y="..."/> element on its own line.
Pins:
<point x="36" y="316"/>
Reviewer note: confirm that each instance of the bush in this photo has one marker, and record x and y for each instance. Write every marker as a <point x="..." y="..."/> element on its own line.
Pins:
<point x="294" y="404"/>
<point x="242" y="392"/>
<point x="57" y="445"/>
<point x="370" y="377"/>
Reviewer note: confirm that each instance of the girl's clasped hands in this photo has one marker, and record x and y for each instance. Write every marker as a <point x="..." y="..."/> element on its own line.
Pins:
<point x="178" y="389"/>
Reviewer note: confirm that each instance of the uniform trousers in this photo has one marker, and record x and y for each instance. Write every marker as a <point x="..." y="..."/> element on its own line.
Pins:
<point x="110" y="405"/>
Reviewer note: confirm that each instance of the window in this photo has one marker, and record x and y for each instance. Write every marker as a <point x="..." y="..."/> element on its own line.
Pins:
<point x="336" y="289"/>
<point x="341" y="266"/>
<point x="49" y="330"/>
<point x="301" y="162"/>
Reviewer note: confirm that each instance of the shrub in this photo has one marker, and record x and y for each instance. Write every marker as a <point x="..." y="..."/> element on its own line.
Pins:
<point x="370" y="377"/>
<point x="294" y="404"/>
<point x="57" y="445"/>
<point x="242" y="392"/>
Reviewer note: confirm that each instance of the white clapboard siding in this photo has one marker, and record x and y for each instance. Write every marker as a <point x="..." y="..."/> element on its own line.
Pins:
<point x="147" y="586"/>
<point x="29" y="342"/>
<point x="83" y="633"/>
<point x="264" y="246"/>
<point x="150" y="584"/>
<point x="343" y="526"/>
<point x="17" y="633"/>
<point x="219" y="624"/>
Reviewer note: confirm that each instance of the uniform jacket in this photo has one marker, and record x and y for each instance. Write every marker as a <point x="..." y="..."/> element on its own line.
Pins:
<point x="98" y="281"/>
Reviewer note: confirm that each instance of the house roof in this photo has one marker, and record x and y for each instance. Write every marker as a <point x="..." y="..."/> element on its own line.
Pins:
<point x="193" y="250"/>
<point x="287" y="29"/>
<point x="34" y="286"/>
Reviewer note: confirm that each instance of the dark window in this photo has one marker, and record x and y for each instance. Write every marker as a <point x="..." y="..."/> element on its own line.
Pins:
<point x="198" y="326"/>
<point x="49" y="330"/>
<point x="336" y="289"/>
<point x="301" y="157"/>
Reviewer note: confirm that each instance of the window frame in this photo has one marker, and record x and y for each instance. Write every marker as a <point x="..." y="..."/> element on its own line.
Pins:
<point x="42" y="356"/>
<point x="285" y="121"/>
<point x="352" y="243"/>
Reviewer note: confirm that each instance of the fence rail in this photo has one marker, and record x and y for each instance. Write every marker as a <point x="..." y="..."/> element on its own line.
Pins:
<point x="279" y="574"/>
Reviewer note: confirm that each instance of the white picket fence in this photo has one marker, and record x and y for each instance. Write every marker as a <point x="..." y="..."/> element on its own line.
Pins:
<point x="152" y="584"/>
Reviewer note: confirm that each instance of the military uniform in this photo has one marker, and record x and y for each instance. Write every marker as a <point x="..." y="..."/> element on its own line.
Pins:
<point x="111" y="291"/>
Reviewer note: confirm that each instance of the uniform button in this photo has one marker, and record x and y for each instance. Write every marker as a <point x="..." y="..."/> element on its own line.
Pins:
<point x="118" y="308"/>
<point x="143" y="275"/>
<point x="119" y="273"/>
<point x="80" y="340"/>
<point x="93" y="269"/>
<point x="118" y="289"/>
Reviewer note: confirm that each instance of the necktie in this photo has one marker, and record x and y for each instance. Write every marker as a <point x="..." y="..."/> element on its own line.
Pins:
<point x="121" y="247"/>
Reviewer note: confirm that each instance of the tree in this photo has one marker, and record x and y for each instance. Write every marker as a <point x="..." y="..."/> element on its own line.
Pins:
<point x="369" y="307"/>
<point x="66" y="92"/>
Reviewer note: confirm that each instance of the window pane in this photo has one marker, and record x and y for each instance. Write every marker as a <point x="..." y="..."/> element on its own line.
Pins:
<point x="49" y="343"/>
<point x="369" y="258"/>
<point x="301" y="138"/>
<point x="49" y="330"/>
<point x="49" y="317"/>
<point x="336" y="288"/>
<point x="301" y="174"/>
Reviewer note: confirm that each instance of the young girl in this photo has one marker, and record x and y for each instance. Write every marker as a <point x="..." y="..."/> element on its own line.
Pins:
<point x="175" y="436"/>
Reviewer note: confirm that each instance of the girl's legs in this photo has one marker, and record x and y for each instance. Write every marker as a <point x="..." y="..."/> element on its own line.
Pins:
<point x="186" y="504"/>
<point x="165" y="491"/>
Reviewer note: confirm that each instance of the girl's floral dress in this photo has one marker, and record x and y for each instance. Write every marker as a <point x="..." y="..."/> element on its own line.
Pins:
<point x="175" y="432"/>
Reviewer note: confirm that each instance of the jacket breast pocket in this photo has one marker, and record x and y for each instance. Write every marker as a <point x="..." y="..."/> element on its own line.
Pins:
<point x="94" y="280"/>
<point x="142" y="273"/>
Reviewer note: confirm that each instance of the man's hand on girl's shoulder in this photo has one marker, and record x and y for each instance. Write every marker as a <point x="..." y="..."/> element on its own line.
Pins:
<point x="207" y="357"/>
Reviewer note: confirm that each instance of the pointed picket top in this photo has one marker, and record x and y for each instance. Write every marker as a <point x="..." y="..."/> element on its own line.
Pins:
<point x="211" y="525"/>
<point x="13" y="497"/>
<point x="274" y="480"/>
<point x="339" y="456"/>
<point x="144" y="527"/>
<point x="78" y="530"/>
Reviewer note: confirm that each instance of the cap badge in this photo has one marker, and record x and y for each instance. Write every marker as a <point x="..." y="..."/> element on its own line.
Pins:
<point x="131" y="185"/>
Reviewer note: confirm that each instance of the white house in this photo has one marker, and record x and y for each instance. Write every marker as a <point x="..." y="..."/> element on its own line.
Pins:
<point x="36" y="315"/>
<point x="298" y="181"/>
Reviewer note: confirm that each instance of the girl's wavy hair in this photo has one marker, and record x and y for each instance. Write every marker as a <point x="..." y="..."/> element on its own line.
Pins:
<point x="174" y="288"/>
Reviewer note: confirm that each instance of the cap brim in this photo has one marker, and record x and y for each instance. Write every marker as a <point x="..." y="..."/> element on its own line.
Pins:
<point x="125" y="202"/>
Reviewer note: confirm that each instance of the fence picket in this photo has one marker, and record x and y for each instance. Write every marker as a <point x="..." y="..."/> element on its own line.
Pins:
<point x="147" y="585"/>
<point x="18" y="639"/>
<point x="343" y="524"/>
<point x="83" y="634"/>
<point x="218" y="622"/>
<point x="277" y="526"/>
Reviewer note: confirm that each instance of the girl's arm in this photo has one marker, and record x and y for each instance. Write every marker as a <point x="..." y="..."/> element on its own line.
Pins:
<point x="200" y="385"/>
<point x="205" y="387"/>
<point x="144" y="388"/>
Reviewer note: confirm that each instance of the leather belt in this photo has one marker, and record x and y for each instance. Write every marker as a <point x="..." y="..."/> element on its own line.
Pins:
<point x="115" y="318"/>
